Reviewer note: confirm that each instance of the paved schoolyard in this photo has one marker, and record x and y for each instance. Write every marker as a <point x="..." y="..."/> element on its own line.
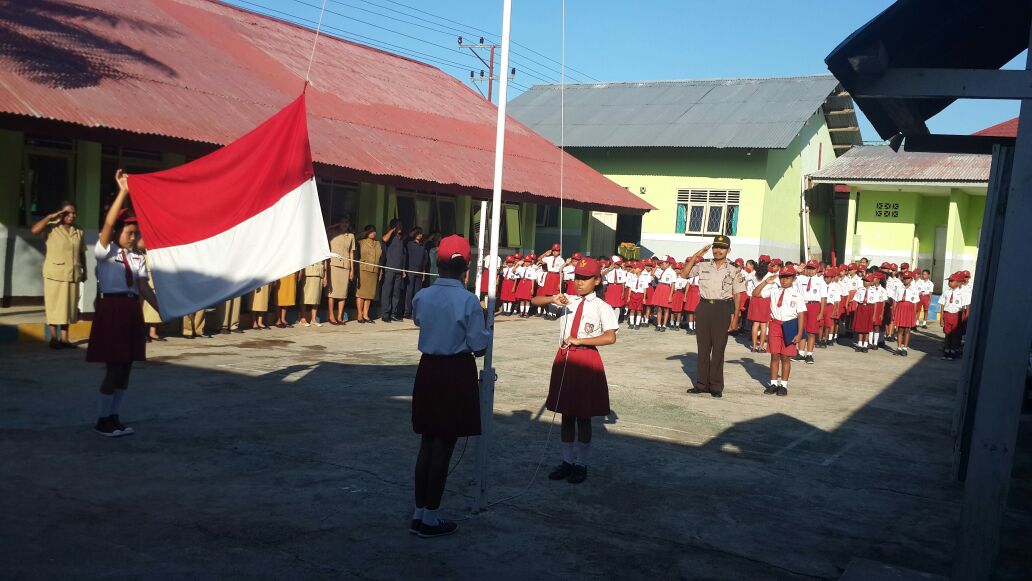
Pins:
<point x="288" y="454"/>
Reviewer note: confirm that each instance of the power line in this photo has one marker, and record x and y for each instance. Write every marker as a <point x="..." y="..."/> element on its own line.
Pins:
<point x="569" y="68"/>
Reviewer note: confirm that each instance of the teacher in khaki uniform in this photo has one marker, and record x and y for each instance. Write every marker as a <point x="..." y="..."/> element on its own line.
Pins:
<point x="64" y="267"/>
<point x="720" y="282"/>
<point x="342" y="245"/>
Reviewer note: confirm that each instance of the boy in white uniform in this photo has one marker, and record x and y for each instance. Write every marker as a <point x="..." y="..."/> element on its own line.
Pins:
<point x="815" y="292"/>
<point x="786" y="303"/>
<point x="925" y="288"/>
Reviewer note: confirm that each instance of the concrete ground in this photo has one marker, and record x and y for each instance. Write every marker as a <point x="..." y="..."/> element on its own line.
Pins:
<point x="288" y="454"/>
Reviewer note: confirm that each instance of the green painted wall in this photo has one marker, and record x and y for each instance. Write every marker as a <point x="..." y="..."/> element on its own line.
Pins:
<point x="664" y="171"/>
<point x="887" y="231"/>
<point x="12" y="148"/>
<point x="933" y="211"/>
<point x="957" y="233"/>
<point x="973" y="223"/>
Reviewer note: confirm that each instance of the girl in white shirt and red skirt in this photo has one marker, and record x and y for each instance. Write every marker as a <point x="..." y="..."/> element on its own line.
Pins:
<point x="117" y="337"/>
<point x="446" y="392"/>
<point x="578" y="389"/>
<point x="904" y="313"/>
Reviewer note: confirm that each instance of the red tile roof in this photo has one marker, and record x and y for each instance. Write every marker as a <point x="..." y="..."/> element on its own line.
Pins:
<point x="208" y="72"/>
<point x="1005" y="129"/>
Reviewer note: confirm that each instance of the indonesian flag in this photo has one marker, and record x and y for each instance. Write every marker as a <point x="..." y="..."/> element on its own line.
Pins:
<point x="231" y="221"/>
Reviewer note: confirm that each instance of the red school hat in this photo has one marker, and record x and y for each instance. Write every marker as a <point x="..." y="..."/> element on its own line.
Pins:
<point x="452" y="246"/>
<point x="893" y="266"/>
<point x="531" y="257"/>
<point x="906" y="274"/>
<point x="812" y="264"/>
<point x="556" y="247"/>
<point x="904" y="266"/>
<point x="831" y="272"/>
<point x="870" y="278"/>
<point x="587" y="267"/>
<point x="852" y="267"/>
<point x="787" y="271"/>
<point x="577" y="256"/>
<point x="965" y="274"/>
<point x="510" y="259"/>
<point x="776" y="262"/>
<point x="679" y="266"/>
<point x="764" y="258"/>
<point x="740" y="262"/>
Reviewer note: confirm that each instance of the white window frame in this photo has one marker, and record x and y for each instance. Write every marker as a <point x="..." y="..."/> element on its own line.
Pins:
<point x="707" y="200"/>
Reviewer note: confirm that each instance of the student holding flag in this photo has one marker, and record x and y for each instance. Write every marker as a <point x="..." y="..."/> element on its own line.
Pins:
<point x="117" y="335"/>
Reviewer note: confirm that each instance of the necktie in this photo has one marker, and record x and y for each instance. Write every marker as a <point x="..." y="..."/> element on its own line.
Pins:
<point x="128" y="271"/>
<point x="781" y="297"/>
<point x="577" y="318"/>
<point x="809" y="281"/>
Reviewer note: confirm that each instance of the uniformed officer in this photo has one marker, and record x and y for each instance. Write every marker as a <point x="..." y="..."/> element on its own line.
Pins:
<point x="720" y="282"/>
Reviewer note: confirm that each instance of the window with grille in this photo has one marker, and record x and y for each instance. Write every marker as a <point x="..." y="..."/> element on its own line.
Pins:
<point x="707" y="212"/>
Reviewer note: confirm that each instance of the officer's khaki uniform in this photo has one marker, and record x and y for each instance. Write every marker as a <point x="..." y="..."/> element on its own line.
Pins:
<point x="717" y="289"/>
<point x="313" y="283"/>
<point x="342" y="243"/>
<point x="193" y="324"/>
<point x="370" y="253"/>
<point x="260" y="299"/>
<point x="62" y="272"/>
<point x="229" y="313"/>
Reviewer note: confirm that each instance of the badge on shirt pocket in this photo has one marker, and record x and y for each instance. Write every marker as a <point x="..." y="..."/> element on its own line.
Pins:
<point x="589" y="328"/>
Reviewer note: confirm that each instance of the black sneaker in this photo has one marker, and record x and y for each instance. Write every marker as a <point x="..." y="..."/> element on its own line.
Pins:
<point x="579" y="474"/>
<point x="414" y="526"/>
<point x="863" y="349"/>
<point x="782" y="390"/>
<point x="107" y="429"/>
<point x="696" y="390"/>
<point x="717" y="394"/>
<point x="441" y="529"/>
<point x="561" y="472"/>
<point x="809" y="360"/>
<point x="126" y="430"/>
<point x="55" y="344"/>
<point x="770" y="390"/>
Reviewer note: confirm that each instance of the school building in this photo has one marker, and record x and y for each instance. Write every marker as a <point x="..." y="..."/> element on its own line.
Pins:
<point x="916" y="207"/>
<point x="724" y="156"/>
<point x="147" y="85"/>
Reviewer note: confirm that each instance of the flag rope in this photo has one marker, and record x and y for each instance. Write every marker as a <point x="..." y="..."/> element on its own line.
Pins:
<point x="311" y="59"/>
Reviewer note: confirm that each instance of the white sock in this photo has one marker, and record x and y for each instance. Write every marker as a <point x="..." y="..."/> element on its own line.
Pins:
<point x="784" y="383"/>
<point x="569" y="452"/>
<point x="636" y="319"/>
<point x="104" y="403"/>
<point x="582" y="453"/>
<point x="116" y="402"/>
<point x="418" y="513"/>
<point x="430" y="517"/>
<point x="773" y="383"/>
<point x="616" y="311"/>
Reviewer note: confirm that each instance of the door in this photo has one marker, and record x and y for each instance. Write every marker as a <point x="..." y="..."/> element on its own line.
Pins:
<point x="939" y="258"/>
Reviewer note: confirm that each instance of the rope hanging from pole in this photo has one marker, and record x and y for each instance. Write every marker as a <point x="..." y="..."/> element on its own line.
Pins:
<point x="562" y="123"/>
<point x="311" y="59"/>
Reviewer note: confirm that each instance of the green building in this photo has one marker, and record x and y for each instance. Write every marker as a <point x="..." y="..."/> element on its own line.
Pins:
<point x="724" y="156"/>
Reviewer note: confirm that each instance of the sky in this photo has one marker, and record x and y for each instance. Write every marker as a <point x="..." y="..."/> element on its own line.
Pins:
<point x="611" y="40"/>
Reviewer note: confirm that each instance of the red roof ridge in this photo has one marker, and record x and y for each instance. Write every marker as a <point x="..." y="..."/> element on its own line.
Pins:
<point x="1008" y="128"/>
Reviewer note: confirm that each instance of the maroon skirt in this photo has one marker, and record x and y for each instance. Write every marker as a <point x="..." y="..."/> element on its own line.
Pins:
<point x="863" y="319"/>
<point x="904" y="314"/>
<point x="571" y="287"/>
<point x="661" y="296"/>
<point x="525" y="289"/>
<point x="759" y="310"/>
<point x="691" y="300"/>
<point x="677" y="304"/>
<point x="446" y="396"/>
<point x="614" y="295"/>
<point x="484" y="280"/>
<point x="578" y="387"/>
<point x="551" y="286"/>
<point x="118" y="334"/>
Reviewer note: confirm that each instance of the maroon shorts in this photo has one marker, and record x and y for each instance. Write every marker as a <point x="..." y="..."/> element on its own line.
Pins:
<point x="813" y="323"/>
<point x="118" y="333"/>
<point x="926" y="301"/>
<point x="950" y="322"/>
<point x="776" y="342"/>
<point x="578" y="387"/>
<point x="446" y="396"/>
<point x="636" y="301"/>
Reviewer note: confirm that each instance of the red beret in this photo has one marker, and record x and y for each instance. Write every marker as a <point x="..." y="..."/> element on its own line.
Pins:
<point x="452" y="246"/>
<point x="587" y="267"/>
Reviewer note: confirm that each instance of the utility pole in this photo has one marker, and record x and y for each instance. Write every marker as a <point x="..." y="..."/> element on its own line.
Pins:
<point x="491" y="78"/>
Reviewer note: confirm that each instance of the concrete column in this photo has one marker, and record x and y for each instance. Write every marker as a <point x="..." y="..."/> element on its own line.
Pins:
<point x="955" y="232"/>
<point x="463" y="205"/>
<point x="849" y="247"/>
<point x="585" y="231"/>
<point x="87" y="183"/>
<point x="528" y="215"/>
<point x="12" y="156"/>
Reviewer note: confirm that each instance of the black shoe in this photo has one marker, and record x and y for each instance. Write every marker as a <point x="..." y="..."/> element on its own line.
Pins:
<point x="863" y="349"/>
<point x="697" y="390"/>
<point x="70" y="345"/>
<point x="782" y="391"/>
<point x="238" y="331"/>
<point x="107" y="429"/>
<point x="225" y="331"/>
<point x="809" y="359"/>
<point x="414" y="526"/>
<point x="441" y="529"/>
<point x="904" y="353"/>
<point x="55" y="344"/>
<point x="717" y="394"/>
<point x="386" y="320"/>
<point x="579" y="474"/>
<point x="126" y="430"/>
<point x="188" y="336"/>
<point x="561" y="472"/>
<point x="771" y="389"/>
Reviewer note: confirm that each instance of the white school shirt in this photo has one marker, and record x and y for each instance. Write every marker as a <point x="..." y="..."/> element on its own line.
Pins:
<point x="111" y="269"/>
<point x="596" y="318"/>
<point x="568" y="272"/>
<point x="531" y="272"/>
<point x="751" y="281"/>
<point x="631" y="282"/>
<point x="834" y="292"/>
<point x="680" y="282"/>
<point x="641" y="282"/>
<point x="554" y="263"/>
<point x="881" y="294"/>
<point x="668" y="276"/>
<point x="449" y="318"/>
<point x="517" y="272"/>
<point x="954" y="300"/>
<point x="909" y="294"/>
<point x="924" y="287"/>
<point x="614" y="276"/>
<point x="817" y="288"/>
<point x="792" y="303"/>
<point x="621" y="275"/>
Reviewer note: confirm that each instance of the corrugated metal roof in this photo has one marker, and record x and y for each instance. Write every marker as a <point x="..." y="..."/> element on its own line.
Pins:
<point x="1005" y="129"/>
<point x="879" y="163"/>
<point x="724" y="113"/>
<point x="208" y="72"/>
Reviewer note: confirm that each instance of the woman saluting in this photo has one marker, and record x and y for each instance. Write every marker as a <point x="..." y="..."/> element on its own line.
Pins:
<point x="64" y="267"/>
<point x="117" y="336"/>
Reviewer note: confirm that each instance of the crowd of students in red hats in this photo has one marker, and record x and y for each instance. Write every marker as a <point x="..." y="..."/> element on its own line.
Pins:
<point x="873" y="305"/>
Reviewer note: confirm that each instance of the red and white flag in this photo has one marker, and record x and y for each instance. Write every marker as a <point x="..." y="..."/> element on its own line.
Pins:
<point x="231" y="221"/>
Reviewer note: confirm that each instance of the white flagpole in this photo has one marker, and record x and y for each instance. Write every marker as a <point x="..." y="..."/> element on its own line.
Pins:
<point x="480" y="246"/>
<point x="487" y="377"/>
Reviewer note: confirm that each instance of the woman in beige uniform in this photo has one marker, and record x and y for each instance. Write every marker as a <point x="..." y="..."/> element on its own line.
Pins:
<point x="64" y="267"/>
<point x="315" y="282"/>
<point x="286" y="297"/>
<point x="369" y="272"/>
<point x="260" y="306"/>
<point x="342" y="243"/>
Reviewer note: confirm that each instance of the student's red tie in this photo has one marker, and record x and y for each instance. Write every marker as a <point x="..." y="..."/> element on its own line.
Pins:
<point x="809" y="281"/>
<point x="128" y="271"/>
<point x="781" y="297"/>
<point x="577" y="318"/>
